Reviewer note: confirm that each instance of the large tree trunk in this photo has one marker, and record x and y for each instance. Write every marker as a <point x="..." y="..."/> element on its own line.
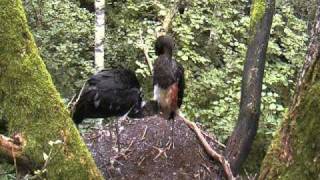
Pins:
<point x="32" y="106"/>
<point x="239" y="144"/>
<point x="294" y="152"/>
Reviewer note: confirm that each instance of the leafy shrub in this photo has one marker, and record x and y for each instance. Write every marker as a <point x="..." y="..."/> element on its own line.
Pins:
<point x="64" y="35"/>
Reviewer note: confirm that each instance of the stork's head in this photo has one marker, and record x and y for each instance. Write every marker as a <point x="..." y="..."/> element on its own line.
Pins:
<point x="164" y="45"/>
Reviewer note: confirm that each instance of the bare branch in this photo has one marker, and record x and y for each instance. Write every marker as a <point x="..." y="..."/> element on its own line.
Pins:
<point x="145" y="50"/>
<point x="215" y="155"/>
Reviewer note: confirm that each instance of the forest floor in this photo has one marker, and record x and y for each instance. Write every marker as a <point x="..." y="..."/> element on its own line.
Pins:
<point x="140" y="139"/>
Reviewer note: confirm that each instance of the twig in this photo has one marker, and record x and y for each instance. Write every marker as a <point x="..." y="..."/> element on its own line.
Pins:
<point x="206" y="167"/>
<point x="131" y="143"/>
<point x="142" y="159"/>
<point x="215" y="155"/>
<point x="145" y="52"/>
<point x="72" y="99"/>
<point x="144" y="133"/>
<point x="213" y="139"/>
<point x="125" y="153"/>
<point x="80" y="93"/>
<point x="161" y="151"/>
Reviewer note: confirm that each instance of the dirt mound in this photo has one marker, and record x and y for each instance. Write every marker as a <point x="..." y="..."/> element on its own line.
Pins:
<point x="140" y="139"/>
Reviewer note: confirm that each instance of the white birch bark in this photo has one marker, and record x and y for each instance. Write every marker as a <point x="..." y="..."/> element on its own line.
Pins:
<point x="99" y="34"/>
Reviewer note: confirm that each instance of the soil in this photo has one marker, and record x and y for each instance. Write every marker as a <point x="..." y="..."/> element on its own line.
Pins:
<point x="139" y="139"/>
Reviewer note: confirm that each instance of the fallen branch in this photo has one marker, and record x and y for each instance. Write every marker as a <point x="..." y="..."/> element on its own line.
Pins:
<point x="11" y="150"/>
<point x="215" y="155"/>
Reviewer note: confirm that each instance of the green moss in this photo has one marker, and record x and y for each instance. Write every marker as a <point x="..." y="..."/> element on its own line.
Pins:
<point x="259" y="7"/>
<point x="258" y="11"/>
<point x="257" y="153"/>
<point x="306" y="138"/>
<point x="31" y="103"/>
<point x="305" y="145"/>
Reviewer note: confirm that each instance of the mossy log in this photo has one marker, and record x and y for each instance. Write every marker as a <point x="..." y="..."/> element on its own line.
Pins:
<point x="32" y="105"/>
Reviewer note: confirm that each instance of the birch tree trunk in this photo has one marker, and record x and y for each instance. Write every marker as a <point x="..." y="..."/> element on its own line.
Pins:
<point x="33" y="107"/>
<point x="99" y="34"/>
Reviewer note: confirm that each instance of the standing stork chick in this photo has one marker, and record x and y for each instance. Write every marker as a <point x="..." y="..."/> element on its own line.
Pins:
<point x="168" y="80"/>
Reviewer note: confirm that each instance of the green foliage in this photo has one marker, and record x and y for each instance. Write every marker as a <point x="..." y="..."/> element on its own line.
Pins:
<point x="211" y="38"/>
<point x="64" y="35"/>
<point x="7" y="171"/>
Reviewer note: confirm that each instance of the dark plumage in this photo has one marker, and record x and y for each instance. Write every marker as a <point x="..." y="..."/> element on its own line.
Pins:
<point x="168" y="78"/>
<point x="109" y="93"/>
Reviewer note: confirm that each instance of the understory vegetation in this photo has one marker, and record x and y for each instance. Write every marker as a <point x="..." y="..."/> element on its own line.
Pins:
<point x="211" y="38"/>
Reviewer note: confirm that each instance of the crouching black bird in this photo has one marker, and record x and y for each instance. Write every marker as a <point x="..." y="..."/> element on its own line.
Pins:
<point x="109" y="93"/>
<point x="168" y="80"/>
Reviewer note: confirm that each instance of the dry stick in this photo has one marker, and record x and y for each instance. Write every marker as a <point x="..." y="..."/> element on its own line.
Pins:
<point x="225" y="164"/>
<point x="80" y="93"/>
<point x="167" y="20"/>
<point x="165" y="27"/>
<point x="72" y="99"/>
<point x="145" y="52"/>
<point x="144" y="133"/>
<point x="213" y="139"/>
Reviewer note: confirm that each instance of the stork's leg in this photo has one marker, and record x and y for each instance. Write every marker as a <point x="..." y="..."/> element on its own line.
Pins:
<point x="169" y="145"/>
<point x="172" y="133"/>
<point x="117" y="127"/>
<point x="118" y="135"/>
<point x="110" y="127"/>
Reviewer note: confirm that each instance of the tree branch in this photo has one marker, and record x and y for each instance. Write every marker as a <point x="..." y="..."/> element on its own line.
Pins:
<point x="165" y="28"/>
<point x="145" y="50"/>
<point x="215" y="155"/>
<point x="11" y="150"/>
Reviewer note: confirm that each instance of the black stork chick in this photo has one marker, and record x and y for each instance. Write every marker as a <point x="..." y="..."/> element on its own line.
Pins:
<point x="109" y="93"/>
<point x="168" y="80"/>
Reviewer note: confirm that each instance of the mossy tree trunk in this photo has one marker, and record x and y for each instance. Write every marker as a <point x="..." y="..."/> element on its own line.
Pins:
<point x="294" y="152"/>
<point x="239" y="144"/>
<point x="31" y="104"/>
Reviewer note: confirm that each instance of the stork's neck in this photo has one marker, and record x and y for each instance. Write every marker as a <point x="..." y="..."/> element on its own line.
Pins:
<point x="167" y="52"/>
<point x="166" y="56"/>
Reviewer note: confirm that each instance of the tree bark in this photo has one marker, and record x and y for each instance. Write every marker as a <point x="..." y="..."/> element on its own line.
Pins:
<point x="294" y="152"/>
<point x="33" y="107"/>
<point x="239" y="144"/>
<point x="99" y="34"/>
